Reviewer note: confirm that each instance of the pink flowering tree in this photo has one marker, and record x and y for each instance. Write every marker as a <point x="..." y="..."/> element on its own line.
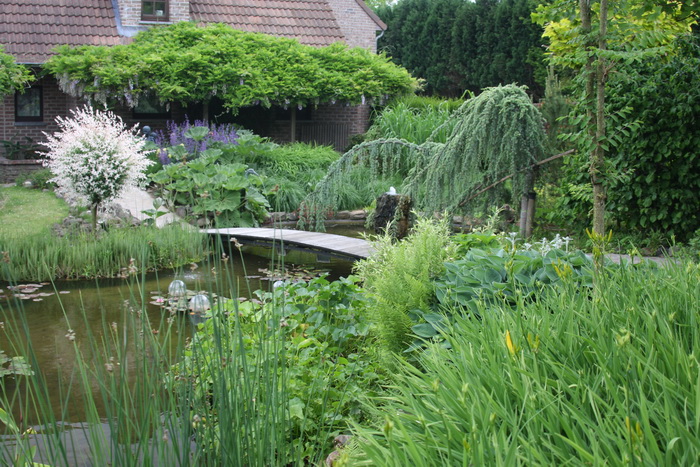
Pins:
<point x="95" y="157"/>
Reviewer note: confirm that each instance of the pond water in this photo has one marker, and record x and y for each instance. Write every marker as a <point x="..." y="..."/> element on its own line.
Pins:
<point x="57" y="316"/>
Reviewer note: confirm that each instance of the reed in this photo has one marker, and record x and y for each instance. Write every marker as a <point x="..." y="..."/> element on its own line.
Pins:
<point x="44" y="257"/>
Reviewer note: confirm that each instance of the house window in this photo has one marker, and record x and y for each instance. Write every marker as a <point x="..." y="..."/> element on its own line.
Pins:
<point x="29" y="105"/>
<point x="154" y="11"/>
<point x="150" y="108"/>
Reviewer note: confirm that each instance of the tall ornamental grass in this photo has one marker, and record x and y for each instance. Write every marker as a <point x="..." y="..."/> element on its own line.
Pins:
<point x="574" y="378"/>
<point x="45" y="257"/>
<point x="414" y="122"/>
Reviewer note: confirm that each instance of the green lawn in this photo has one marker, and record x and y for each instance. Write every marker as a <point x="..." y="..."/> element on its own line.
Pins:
<point x="25" y="211"/>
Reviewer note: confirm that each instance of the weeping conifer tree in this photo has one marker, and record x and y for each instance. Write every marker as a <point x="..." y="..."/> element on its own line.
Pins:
<point x="498" y="134"/>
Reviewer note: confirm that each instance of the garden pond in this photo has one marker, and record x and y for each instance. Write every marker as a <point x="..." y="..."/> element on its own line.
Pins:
<point x="57" y="316"/>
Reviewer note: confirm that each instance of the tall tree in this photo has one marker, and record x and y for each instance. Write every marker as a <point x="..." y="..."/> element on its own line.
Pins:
<point x="583" y="38"/>
<point x="460" y="45"/>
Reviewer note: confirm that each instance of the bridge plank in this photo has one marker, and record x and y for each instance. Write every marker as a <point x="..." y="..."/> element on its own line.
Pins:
<point x="331" y="243"/>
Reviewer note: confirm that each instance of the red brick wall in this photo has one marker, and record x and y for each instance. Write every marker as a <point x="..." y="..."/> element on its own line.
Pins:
<point x="55" y="103"/>
<point x="355" y="116"/>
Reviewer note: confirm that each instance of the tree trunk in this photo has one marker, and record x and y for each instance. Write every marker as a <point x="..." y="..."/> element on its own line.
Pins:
<point x="530" y="218"/>
<point x="522" y="227"/>
<point x="597" y="168"/>
<point x="526" y="216"/>
<point x="293" y="124"/>
<point x="94" y="218"/>
<point x="205" y="111"/>
<point x="594" y="169"/>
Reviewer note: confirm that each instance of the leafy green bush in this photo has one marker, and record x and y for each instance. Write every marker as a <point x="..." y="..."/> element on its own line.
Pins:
<point x="295" y="362"/>
<point x="561" y="380"/>
<point x="659" y="157"/>
<point x="40" y="179"/>
<point x="654" y="171"/>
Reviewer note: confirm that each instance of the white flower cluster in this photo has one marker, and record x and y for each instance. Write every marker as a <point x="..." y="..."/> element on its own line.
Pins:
<point x="544" y="246"/>
<point x="95" y="156"/>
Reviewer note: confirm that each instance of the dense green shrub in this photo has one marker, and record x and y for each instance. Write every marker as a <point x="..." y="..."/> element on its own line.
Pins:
<point x="296" y="361"/>
<point x="659" y="160"/>
<point x="653" y="174"/>
<point x="40" y="179"/>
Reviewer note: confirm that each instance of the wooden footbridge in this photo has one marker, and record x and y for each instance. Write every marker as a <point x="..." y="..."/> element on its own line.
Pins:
<point x="335" y="245"/>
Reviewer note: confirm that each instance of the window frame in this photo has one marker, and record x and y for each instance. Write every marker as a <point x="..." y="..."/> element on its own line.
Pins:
<point x="30" y="118"/>
<point x="162" y="111"/>
<point x="153" y="17"/>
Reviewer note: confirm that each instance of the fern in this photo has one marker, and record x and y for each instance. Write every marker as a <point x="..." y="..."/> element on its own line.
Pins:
<point x="399" y="276"/>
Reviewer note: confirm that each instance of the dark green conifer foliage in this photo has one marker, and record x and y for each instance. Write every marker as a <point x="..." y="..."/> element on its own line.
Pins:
<point x="460" y="45"/>
<point x="498" y="133"/>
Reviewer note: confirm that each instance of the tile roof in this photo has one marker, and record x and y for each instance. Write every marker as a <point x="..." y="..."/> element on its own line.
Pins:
<point x="29" y="29"/>
<point x="310" y="21"/>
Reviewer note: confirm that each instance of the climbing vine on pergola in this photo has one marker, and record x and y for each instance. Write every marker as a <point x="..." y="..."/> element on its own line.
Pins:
<point x="13" y="76"/>
<point x="498" y="134"/>
<point x="188" y="63"/>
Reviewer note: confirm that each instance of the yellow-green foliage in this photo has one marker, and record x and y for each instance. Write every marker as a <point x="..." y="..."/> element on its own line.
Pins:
<point x="398" y="278"/>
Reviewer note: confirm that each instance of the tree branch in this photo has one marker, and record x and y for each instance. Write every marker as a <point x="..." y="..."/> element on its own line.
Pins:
<point x="537" y="164"/>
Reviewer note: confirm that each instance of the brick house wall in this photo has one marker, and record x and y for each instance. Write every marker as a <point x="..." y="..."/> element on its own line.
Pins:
<point x="130" y="12"/>
<point x="359" y="29"/>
